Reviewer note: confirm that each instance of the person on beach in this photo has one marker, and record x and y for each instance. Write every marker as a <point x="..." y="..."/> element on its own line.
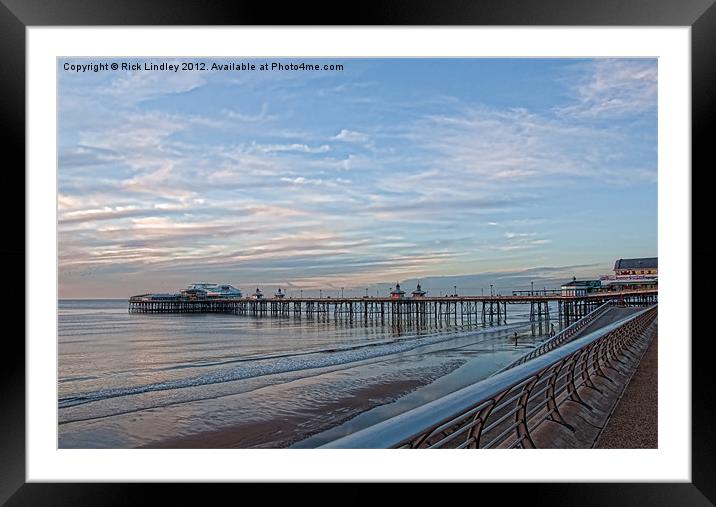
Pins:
<point x="515" y="338"/>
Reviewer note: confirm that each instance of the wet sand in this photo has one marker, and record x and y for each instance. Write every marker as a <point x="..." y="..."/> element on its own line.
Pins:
<point x="281" y="433"/>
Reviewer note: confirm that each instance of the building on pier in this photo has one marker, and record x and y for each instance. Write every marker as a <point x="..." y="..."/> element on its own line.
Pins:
<point x="193" y="293"/>
<point x="215" y="290"/>
<point x="159" y="296"/>
<point x="418" y="292"/>
<point x="224" y="291"/>
<point x="201" y="285"/>
<point x="397" y="293"/>
<point x="580" y="288"/>
<point x="258" y="294"/>
<point x="279" y="294"/>
<point x="630" y="284"/>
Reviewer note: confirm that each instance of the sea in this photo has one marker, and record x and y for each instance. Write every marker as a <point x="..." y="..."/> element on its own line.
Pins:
<point x="220" y="380"/>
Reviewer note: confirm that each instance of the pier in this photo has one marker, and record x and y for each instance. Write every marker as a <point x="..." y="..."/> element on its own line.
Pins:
<point x="449" y="310"/>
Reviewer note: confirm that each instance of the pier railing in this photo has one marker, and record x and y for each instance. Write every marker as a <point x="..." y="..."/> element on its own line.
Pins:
<point x="563" y="336"/>
<point x="503" y="410"/>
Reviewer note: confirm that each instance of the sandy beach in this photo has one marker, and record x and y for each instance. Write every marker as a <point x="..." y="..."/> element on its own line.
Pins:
<point x="280" y="433"/>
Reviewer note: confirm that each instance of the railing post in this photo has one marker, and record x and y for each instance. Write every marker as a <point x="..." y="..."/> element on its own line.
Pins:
<point x="586" y="376"/>
<point x="483" y="415"/>
<point x="572" y="392"/>
<point x="554" y="413"/>
<point x="523" y="433"/>
<point x="600" y="357"/>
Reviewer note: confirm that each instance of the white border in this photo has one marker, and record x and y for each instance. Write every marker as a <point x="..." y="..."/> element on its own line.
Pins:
<point x="670" y="462"/>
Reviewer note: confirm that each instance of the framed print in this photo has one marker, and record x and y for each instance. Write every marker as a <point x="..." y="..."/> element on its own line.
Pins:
<point x="307" y="253"/>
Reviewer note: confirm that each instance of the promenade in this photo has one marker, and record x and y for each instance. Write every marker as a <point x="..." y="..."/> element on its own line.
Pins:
<point x="634" y="422"/>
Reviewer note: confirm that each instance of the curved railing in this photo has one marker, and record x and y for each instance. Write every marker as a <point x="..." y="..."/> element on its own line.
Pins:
<point x="502" y="411"/>
<point x="562" y="337"/>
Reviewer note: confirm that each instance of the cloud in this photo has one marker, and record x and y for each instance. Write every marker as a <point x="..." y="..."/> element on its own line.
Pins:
<point x="137" y="86"/>
<point x="614" y="88"/>
<point x="516" y="151"/>
<point x="351" y="136"/>
<point x="430" y="209"/>
<point x="106" y="213"/>
<point x="513" y="235"/>
<point x="262" y="116"/>
<point x="354" y="137"/>
<point x="300" y="180"/>
<point x="274" y="148"/>
<point x="521" y="241"/>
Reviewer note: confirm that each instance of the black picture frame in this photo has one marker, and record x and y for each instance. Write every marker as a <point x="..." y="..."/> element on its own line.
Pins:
<point x="17" y="15"/>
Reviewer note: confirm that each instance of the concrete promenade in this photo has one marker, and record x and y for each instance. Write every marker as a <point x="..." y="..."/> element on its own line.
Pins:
<point x="633" y="424"/>
<point x="612" y="315"/>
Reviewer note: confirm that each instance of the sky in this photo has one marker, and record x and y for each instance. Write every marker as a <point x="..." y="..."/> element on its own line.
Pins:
<point x="446" y="170"/>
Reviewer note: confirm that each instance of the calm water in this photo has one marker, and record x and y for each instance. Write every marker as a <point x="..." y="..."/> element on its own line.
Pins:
<point x="225" y="380"/>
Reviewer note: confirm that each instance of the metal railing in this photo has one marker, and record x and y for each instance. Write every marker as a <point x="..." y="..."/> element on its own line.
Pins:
<point x="562" y="337"/>
<point x="503" y="410"/>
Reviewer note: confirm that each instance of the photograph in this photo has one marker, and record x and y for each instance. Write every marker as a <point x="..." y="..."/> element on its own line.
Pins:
<point x="357" y="253"/>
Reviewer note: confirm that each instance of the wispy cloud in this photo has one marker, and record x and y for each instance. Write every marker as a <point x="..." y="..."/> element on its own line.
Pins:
<point x="614" y="88"/>
<point x="260" y="117"/>
<point x="351" y="136"/>
<point x="137" y="86"/>
<point x="273" y="148"/>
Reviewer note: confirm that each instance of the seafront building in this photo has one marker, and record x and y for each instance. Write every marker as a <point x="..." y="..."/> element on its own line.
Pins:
<point x="647" y="266"/>
<point x="629" y="274"/>
<point x="632" y="274"/>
